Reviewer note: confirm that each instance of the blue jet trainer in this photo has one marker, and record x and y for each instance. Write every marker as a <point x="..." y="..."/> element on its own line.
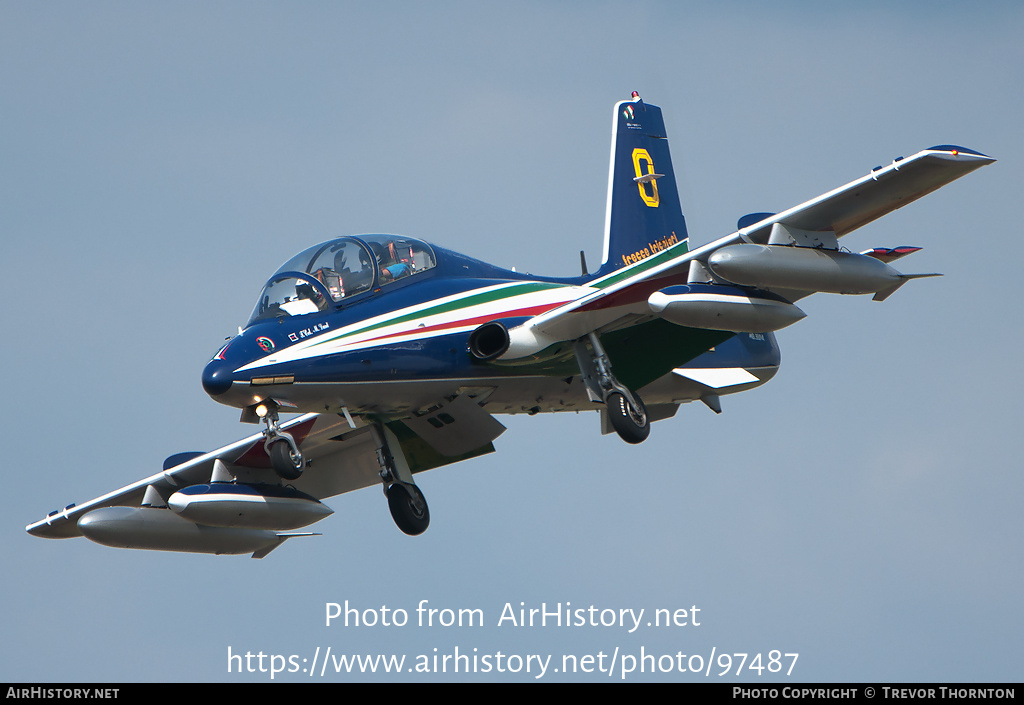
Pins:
<point x="398" y="354"/>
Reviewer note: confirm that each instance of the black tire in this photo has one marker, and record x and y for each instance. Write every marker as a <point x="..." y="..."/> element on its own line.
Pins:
<point x="408" y="519"/>
<point x="286" y="464"/>
<point x="631" y="424"/>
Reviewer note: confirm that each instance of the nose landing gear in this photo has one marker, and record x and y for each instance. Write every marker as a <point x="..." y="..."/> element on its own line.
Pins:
<point x="285" y="456"/>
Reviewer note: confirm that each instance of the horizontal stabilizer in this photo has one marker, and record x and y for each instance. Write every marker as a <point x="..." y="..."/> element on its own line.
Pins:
<point x="647" y="178"/>
<point x="716" y="378"/>
<point x="751" y="219"/>
<point x="890" y="254"/>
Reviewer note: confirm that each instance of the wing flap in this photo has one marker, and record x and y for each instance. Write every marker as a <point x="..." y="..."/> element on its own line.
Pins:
<point x="456" y="427"/>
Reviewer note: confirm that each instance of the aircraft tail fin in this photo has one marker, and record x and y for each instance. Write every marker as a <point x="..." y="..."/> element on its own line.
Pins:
<point x="643" y="215"/>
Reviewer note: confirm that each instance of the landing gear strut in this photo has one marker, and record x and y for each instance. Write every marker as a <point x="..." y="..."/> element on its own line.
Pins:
<point x="626" y="410"/>
<point x="407" y="504"/>
<point x="285" y="456"/>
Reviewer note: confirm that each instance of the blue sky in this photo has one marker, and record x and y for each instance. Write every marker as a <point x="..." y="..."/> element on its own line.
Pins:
<point x="160" y="161"/>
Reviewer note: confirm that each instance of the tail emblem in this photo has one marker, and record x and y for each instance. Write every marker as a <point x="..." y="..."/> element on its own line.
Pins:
<point x="644" y="179"/>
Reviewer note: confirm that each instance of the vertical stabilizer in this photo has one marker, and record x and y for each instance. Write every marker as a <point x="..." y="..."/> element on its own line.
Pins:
<point x="643" y="215"/>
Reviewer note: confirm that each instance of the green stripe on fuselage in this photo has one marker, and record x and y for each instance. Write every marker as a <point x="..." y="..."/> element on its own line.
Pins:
<point x="677" y="250"/>
<point x="470" y="300"/>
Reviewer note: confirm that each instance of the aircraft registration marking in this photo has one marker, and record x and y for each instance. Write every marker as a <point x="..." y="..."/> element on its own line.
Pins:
<point x="307" y="332"/>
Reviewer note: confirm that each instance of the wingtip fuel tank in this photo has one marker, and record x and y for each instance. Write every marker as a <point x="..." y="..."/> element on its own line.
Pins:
<point x="219" y="517"/>
<point x="802" y="269"/>
<point x="162" y="530"/>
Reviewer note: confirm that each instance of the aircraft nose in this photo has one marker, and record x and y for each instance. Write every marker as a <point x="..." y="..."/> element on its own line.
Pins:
<point x="217" y="377"/>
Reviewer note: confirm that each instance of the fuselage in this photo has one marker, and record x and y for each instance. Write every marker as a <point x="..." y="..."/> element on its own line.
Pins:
<point x="380" y="324"/>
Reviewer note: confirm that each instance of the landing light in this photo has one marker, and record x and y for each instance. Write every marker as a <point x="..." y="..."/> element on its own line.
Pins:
<point x="262" y="410"/>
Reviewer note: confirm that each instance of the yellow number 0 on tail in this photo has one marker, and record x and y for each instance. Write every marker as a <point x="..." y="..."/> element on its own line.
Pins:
<point x="639" y="156"/>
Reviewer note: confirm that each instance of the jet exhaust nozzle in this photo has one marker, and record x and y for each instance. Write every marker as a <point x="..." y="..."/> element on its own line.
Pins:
<point x="489" y="341"/>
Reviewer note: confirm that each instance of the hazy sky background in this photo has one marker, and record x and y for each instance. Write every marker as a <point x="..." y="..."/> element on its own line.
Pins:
<point x="158" y="161"/>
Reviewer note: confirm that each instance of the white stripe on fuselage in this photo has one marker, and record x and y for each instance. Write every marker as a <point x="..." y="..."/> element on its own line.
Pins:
<point x="369" y="333"/>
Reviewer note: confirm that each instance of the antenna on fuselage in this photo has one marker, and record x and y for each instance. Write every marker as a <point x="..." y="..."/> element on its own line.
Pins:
<point x="583" y="263"/>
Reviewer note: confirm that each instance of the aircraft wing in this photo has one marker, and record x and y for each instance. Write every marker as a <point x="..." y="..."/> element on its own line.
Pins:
<point x="880" y="192"/>
<point x="322" y="436"/>
<point x="342" y="457"/>
<point x="622" y="295"/>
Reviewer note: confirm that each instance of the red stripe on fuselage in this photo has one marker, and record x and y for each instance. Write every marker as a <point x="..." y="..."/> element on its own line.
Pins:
<point x="634" y="293"/>
<point x="478" y="320"/>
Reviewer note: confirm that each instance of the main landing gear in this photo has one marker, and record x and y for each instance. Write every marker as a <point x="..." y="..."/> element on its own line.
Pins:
<point x="408" y="508"/>
<point x="626" y="411"/>
<point x="285" y="456"/>
<point x="628" y="417"/>
<point x="407" y="504"/>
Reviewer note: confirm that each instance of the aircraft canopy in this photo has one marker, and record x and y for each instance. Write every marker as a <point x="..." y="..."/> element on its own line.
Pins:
<point x="323" y="275"/>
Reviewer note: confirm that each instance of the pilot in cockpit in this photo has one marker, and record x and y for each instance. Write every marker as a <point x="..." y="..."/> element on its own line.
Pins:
<point x="391" y="266"/>
<point x="307" y="300"/>
<point x="331" y="281"/>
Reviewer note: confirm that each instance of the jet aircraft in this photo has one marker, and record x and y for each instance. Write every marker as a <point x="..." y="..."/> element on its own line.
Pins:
<point x="398" y="354"/>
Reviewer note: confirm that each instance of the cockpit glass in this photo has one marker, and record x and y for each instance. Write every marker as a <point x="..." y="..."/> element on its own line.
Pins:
<point x="342" y="268"/>
<point x="399" y="257"/>
<point x="289" y="296"/>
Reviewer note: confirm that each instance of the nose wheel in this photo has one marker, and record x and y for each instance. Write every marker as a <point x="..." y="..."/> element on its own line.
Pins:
<point x="285" y="456"/>
<point x="287" y="463"/>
